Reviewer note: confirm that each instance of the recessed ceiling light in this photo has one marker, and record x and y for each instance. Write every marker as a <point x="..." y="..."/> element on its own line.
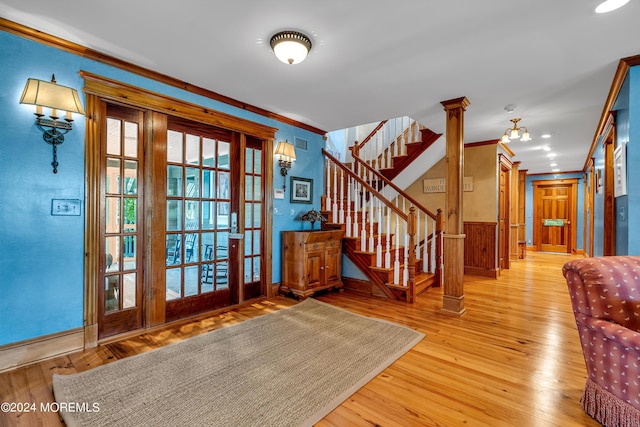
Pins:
<point x="546" y="148"/>
<point x="553" y="164"/>
<point x="551" y="155"/>
<point x="556" y="170"/>
<point x="610" y="5"/>
<point x="545" y="135"/>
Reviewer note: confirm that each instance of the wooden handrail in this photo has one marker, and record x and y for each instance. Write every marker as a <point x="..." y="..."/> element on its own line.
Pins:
<point x="392" y="185"/>
<point x="373" y="132"/>
<point x="369" y="188"/>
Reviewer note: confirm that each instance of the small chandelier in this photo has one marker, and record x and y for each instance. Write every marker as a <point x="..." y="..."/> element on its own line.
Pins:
<point x="290" y="47"/>
<point x="514" y="133"/>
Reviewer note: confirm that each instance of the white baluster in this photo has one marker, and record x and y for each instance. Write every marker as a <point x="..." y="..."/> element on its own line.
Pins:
<point x="328" y="184"/>
<point x="396" y="263"/>
<point x="363" y="230"/>
<point x="379" y="246"/>
<point x="341" y="199"/>
<point x="405" y="275"/>
<point x="371" y="219"/>
<point x="335" y="195"/>
<point x="433" y="249"/>
<point x="425" y="247"/>
<point x="348" y="224"/>
<point x="387" y="254"/>
<point x="418" y="234"/>
<point x="356" y="196"/>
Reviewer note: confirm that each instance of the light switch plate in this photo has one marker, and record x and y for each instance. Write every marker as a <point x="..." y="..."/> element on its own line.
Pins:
<point x="65" y="207"/>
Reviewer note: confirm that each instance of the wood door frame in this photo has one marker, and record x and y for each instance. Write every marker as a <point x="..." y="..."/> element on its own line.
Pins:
<point x="99" y="91"/>
<point x="609" y="214"/>
<point x="504" y="245"/>
<point x="573" y="193"/>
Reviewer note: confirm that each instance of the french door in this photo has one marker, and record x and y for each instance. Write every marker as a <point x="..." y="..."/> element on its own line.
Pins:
<point x="121" y="225"/>
<point x="183" y="232"/>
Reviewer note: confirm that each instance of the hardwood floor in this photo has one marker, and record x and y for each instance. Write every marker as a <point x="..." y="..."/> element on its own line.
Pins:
<point x="513" y="359"/>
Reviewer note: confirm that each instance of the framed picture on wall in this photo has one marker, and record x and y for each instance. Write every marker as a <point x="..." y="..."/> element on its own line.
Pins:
<point x="301" y="190"/>
<point x="620" y="170"/>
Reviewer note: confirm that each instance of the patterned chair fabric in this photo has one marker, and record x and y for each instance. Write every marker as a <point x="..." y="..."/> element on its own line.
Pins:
<point x="605" y="295"/>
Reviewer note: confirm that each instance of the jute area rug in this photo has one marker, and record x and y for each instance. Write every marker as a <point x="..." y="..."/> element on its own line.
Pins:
<point x="287" y="368"/>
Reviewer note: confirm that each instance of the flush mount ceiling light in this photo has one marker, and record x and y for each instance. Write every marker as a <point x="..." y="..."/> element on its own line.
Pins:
<point x="514" y="133"/>
<point x="290" y="47"/>
<point x="610" y="5"/>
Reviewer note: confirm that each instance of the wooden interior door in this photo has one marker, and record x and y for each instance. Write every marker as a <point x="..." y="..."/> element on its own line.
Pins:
<point x="555" y="215"/>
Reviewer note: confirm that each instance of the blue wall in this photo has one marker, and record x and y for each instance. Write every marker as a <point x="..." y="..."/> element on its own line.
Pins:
<point x="579" y="208"/>
<point x="42" y="256"/>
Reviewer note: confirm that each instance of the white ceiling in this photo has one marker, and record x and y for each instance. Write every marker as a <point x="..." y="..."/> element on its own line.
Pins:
<point x="554" y="59"/>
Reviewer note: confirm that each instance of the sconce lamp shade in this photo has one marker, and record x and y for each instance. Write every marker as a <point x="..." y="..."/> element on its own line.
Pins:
<point x="285" y="151"/>
<point x="51" y="95"/>
<point x="290" y="47"/>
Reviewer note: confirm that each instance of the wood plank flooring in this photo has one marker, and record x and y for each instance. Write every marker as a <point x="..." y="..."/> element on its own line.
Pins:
<point x="513" y="359"/>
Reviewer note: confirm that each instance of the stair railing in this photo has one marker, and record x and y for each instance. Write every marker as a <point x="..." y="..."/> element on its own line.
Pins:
<point x="426" y="241"/>
<point x="382" y="227"/>
<point x="380" y="147"/>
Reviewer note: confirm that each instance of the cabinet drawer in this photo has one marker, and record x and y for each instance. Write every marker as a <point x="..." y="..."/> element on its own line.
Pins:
<point x="312" y="247"/>
<point x="333" y="244"/>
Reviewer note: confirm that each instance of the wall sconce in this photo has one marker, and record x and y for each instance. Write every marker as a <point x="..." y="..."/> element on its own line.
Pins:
<point x="59" y="98"/>
<point x="287" y="154"/>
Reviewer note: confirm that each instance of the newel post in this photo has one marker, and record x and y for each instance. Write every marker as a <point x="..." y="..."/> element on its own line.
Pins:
<point x="453" y="291"/>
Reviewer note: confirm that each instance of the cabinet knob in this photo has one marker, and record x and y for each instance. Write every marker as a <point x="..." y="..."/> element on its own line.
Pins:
<point x="321" y="268"/>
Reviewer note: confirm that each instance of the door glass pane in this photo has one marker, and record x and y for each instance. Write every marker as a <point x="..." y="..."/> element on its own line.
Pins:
<point x="248" y="187"/>
<point x="173" y="248"/>
<point x="113" y="136"/>
<point x="130" y="139"/>
<point x="222" y="218"/>
<point x="111" y="293"/>
<point x="257" y="188"/>
<point x="174" y="215"/>
<point x="192" y="183"/>
<point x="247" y="242"/>
<point x="221" y="275"/>
<point x="129" y="252"/>
<point x="112" y="251"/>
<point x="130" y="177"/>
<point x="191" y="247"/>
<point x="207" y="278"/>
<point x="174" y="146"/>
<point x="191" y="280"/>
<point x="192" y="214"/>
<point x="208" y="152"/>
<point x="208" y="184"/>
<point x="174" y="283"/>
<point x="192" y="156"/>
<point x="247" y="270"/>
<point x="257" y="214"/>
<point x="208" y="215"/>
<point x="257" y="162"/>
<point x="223" y="155"/>
<point x="174" y="181"/>
<point x="130" y="214"/>
<point x="256" y="269"/>
<point x="248" y="164"/>
<point x="112" y="214"/>
<point x="129" y="290"/>
<point x="223" y="185"/>
<point x="256" y="242"/>
<point x="112" y="178"/>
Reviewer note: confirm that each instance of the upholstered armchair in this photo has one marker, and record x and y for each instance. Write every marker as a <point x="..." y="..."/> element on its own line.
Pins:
<point x="605" y="294"/>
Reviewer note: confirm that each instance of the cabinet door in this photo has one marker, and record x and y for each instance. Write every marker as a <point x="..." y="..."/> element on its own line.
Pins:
<point x="315" y="269"/>
<point x="332" y="262"/>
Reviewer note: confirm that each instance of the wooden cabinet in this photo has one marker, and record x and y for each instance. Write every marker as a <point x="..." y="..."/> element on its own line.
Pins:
<point x="311" y="261"/>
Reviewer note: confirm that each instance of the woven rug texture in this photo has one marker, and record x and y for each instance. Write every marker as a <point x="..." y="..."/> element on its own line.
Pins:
<point x="287" y="368"/>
